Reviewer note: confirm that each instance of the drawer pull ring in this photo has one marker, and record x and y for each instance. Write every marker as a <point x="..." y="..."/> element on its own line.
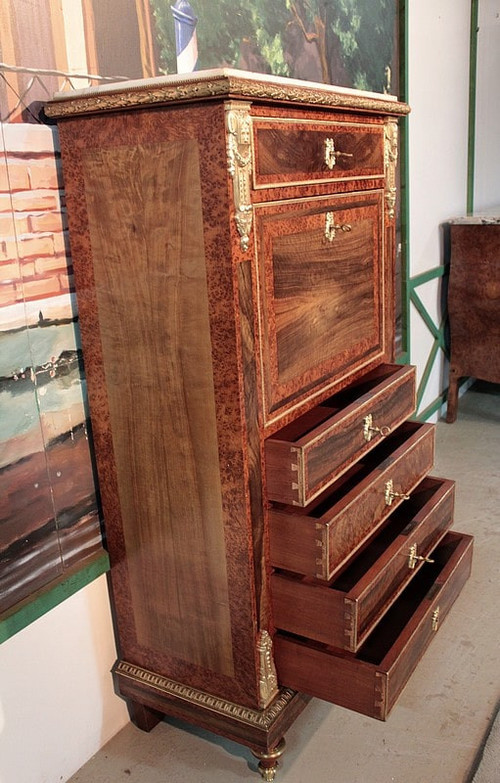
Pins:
<point x="414" y="558"/>
<point x="369" y="430"/>
<point x="390" y="495"/>
<point x="435" y="619"/>
<point x="331" y="227"/>
<point x="331" y="154"/>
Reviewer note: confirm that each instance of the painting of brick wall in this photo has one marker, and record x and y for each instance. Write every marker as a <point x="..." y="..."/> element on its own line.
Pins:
<point x="49" y="519"/>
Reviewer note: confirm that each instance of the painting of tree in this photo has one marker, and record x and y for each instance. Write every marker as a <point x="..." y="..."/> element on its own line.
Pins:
<point x="352" y="43"/>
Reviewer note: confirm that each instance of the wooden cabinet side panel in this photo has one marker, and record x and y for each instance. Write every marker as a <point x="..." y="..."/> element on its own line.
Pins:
<point x="155" y="287"/>
<point x="151" y="289"/>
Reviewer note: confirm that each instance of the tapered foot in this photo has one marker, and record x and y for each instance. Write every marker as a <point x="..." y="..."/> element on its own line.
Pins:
<point x="269" y="761"/>
<point x="451" y="410"/>
<point x="144" y="718"/>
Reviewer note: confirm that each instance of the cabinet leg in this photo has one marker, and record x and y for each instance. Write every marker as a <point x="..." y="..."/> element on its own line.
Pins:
<point x="143" y="717"/>
<point x="269" y="761"/>
<point x="451" y="409"/>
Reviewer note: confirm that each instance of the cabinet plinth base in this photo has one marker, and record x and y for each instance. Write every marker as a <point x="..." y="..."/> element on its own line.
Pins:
<point x="260" y="730"/>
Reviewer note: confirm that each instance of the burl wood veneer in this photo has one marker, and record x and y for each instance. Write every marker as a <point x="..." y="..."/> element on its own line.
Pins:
<point x="266" y="505"/>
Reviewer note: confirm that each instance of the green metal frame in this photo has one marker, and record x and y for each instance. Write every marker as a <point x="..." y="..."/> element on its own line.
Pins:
<point x="437" y="332"/>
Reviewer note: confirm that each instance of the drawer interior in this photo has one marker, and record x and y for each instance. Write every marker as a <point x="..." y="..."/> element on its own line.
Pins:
<point x="305" y="424"/>
<point x="378" y="644"/>
<point x="370" y="679"/>
<point x="344" y="610"/>
<point x="399" y="523"/>
<point x="386" y="632"/>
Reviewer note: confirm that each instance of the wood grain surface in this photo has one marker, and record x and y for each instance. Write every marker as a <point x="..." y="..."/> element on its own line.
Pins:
<point x="370" y="681"/>
<point x="473" y="307"/>
<point x="153" y="305"/>
<point x="290" y="151"/>
<point x="319" y="539"/>
<point x="343" y="612"/>
<point x="321" y="302"/>
<point x="302" y="459"/>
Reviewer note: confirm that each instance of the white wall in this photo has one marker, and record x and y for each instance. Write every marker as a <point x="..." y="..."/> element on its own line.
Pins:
<point x="438" y="95"/>
<point x="57" y="705"/>
<point x="487" y="158"/>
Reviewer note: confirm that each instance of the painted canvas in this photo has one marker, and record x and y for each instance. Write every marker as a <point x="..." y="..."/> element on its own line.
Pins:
<point x="351" y="43"/>
<point x="48" y="511"/>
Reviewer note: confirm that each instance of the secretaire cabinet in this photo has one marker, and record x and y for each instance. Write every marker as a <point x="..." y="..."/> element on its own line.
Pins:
<point x="273" y="530"/>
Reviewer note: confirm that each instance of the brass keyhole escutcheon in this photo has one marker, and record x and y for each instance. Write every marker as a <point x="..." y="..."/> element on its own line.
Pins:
<point x="331" y="227"/>
<point x="369" y="430"/>
<point x="331" y="154"/>
<point x="390" y="495"/>
<point x="414" y="557"/>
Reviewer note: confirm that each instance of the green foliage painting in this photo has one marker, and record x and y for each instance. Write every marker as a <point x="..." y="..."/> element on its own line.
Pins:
<point x="352" y="43"/>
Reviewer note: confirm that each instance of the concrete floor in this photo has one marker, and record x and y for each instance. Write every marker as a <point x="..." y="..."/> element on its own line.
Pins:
<point x="436" y="729"/>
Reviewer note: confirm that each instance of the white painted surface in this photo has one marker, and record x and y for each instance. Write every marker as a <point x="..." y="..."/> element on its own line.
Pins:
<point x="487" y="158"/>
<point x="57" y="705"/>
<point x="438" y="132"/>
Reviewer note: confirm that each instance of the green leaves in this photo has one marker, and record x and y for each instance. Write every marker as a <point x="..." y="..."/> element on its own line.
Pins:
<point x="345" y="42"/>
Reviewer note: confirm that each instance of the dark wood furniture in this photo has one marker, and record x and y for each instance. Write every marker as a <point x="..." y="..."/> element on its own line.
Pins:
<point x="474" y="302"/>
<point x="272" y="529"/>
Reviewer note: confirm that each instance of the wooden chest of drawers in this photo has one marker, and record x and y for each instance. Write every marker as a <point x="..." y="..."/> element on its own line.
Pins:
<point x="474" y="301"/>
<point x="272" y="528"/>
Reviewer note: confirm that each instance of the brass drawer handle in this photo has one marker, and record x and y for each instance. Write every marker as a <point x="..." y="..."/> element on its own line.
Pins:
<point x="390" y="495"/>
<point x="414" y="558"/>
<point x="435" y="619"/>
<point x="331" y="154"/>
<point x="369" y="430"/>
<point x="331" y="227"/>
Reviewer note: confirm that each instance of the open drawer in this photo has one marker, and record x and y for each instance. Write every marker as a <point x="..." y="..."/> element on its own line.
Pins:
<point x="306" y="456"/>
<point x="371" y="680"/>
<point x="343" y="612"/>
<point x="318" y="540"/>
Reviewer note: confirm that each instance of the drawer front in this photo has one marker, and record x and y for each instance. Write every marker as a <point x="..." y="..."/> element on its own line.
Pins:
<point x="301" y="463"/>
<point x="434" y="502"/>
<point x="292" y="152"/>
<point x="319" y="540"/>
<point x="321" y="295"/>
<point x="342" y="613"/>
<point x="371" y="680"/>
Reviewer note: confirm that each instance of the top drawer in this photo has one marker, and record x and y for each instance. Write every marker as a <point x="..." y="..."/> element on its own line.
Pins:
<point x="308" y="455"/>
<point x="292" y="152"/>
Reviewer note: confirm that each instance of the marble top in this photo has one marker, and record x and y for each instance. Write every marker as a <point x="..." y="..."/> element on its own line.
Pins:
<point x="222" y="83"/>
<point x="486" y="217"/>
